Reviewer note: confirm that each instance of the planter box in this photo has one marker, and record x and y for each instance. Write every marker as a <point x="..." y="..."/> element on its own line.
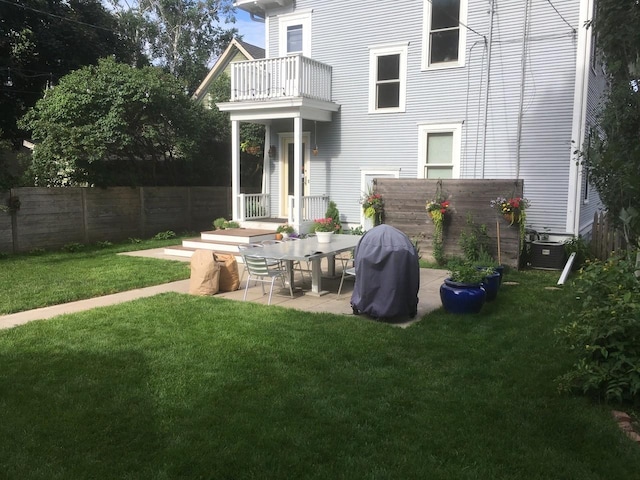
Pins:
<point x="547" y="255"/>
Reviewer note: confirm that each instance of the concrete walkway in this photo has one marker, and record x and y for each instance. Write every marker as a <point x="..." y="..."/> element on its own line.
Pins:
<point x="429" y="297"/>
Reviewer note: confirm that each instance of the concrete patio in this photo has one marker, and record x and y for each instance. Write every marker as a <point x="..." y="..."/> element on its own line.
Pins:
<point x="429" y="297"/>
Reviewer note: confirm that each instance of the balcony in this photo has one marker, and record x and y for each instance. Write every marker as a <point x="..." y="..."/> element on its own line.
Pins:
<point x="280" y="78"/>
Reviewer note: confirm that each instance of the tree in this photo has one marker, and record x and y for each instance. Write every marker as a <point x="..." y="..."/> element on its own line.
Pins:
<point x="113" y="124"/>
<point x="613" y="159"/>
<point x="41" y="41"/>
<point x="182" y="36"/>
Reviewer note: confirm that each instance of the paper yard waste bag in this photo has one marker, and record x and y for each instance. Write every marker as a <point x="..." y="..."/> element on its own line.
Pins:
<point x="205" y="273"/>
<point x="229" y="277"/>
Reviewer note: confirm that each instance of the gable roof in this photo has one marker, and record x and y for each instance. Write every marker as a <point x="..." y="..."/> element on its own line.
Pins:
<point x="252" y="52"/>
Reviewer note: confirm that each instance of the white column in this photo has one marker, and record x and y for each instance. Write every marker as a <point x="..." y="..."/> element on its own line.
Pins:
<point x="235" y="168"/>
<point x="266" y="166"/>
<point x="297" y="170"/>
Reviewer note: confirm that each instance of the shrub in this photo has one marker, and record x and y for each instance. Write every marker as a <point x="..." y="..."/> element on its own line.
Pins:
<point x="164" y="235"/>
<point x="73" y="247"/>
<point x="604" y="332"/>
<point x="104" y="244"/>
<point x="222" y="224"/>
<point x="474" y="240"/>
<point x="581" y="248"/>
<point x="333" y="213"/>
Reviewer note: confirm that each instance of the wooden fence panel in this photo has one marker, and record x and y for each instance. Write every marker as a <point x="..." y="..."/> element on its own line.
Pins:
<point x="404" y="208"/>
<point x="112" y="214"/>
<point x="53" y="217"/>
<point x="605" y="239"/>
<point x="6" y="230"/>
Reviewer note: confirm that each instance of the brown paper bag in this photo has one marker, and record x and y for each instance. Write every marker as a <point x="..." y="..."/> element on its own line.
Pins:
<point x="205" y="273"/>
<point x="229" y="277"/>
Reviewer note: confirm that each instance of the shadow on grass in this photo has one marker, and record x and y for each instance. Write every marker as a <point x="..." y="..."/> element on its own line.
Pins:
<point x="77" y="415"/>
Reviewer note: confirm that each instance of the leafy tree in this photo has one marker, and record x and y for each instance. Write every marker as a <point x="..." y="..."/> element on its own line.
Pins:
<point x="113" y="124"/>
<point x="613" y="161"/>
<point x="182" y="36"/>
<point x="43" y="40"/>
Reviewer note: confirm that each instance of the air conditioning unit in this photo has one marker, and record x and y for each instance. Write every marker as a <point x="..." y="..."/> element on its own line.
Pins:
<point x="547" y="255"/>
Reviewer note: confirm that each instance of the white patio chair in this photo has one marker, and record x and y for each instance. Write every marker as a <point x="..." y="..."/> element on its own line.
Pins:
<point x="260" y="271"/>
<point x="348" y="268"/>
<point x="297" y="263"/>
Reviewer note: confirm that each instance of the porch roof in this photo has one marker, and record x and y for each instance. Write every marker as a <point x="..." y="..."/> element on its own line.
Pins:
<point x="306" y="108"/>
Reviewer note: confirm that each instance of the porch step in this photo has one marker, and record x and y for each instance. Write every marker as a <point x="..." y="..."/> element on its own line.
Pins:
<point x="239" y="235"/>
<point x="220" y="241"/>
<point x="201" y="243"/>
<point x="186" y="252"/>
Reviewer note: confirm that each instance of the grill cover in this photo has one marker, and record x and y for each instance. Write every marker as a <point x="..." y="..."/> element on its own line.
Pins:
<point x="387" y="274"/>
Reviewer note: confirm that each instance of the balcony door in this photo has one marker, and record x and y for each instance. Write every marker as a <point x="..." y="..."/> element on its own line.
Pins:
<point x="288" y="176"/>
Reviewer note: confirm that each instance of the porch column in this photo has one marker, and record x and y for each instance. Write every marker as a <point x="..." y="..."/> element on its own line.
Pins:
<point x="235" y="168"/>
<point x="266" y="165"/>
<point x="297" y="171"/>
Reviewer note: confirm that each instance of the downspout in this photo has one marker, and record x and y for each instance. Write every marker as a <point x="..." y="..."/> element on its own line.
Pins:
<point x="486" y="97"/>
<point x="583" y="50"/>
<point x="523" y="70"/>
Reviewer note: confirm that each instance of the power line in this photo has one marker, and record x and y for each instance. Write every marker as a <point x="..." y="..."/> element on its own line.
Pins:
<point x="58" y="16"/>
<point x="460" y="23"/>
<point x="560" y="15"/>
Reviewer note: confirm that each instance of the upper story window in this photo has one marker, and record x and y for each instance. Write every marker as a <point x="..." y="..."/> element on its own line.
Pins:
<point x="387" y="78"/>
<point x="295" y="34"/>
<point x="439" y="151"/>
<point x="444" y="36"/>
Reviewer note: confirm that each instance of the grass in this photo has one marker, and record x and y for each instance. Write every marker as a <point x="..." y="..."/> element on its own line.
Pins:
<point x="31" y="281"/>
<point x="176" y="386"/>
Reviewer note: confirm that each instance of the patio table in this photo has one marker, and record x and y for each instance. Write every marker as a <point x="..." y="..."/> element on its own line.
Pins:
<point x="308" y="249"/>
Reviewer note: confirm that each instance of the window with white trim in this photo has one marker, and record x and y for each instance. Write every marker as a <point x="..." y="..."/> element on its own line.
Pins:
<point x="439" y="151"/>
<point x="295" y="34"/>
<point x="444" y="35"/>
<point x="388" y="78"/>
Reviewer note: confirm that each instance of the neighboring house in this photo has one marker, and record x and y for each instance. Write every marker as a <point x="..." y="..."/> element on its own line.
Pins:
<point x="236" y="51"/>
<point x="468" y="89"/>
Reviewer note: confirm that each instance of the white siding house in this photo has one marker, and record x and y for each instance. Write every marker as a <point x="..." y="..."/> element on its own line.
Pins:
<point x="469" y="89"/>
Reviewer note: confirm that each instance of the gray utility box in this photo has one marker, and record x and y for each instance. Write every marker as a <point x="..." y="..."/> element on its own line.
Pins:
<point x="547" y="255"/>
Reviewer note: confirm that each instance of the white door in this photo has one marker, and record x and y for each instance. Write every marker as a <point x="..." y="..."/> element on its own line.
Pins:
<point x="288" y="177"/>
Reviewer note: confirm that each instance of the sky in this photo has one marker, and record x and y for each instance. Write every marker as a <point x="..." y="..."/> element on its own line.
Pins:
<point x="253" y="32"/>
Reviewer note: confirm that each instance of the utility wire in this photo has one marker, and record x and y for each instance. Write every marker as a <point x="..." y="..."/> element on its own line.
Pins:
<point x="459" y="22"/>
<point x="560" y="15"/>
<point x="58" y="16"/>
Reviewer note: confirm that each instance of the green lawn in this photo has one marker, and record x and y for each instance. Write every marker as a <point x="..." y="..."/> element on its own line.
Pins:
<point x="177" y="386"/>
<point x="51" y="278"/>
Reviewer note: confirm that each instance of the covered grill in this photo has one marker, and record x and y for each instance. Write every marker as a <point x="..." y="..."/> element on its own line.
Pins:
<point x="387" y="274"/>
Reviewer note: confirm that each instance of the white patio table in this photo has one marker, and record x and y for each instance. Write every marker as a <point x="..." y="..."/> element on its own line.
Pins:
<point x="308" y="249"/>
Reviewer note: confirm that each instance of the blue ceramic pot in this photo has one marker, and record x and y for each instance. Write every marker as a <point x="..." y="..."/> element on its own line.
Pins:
<point x="462" y="297"/>
<point x="491" y="284"/>
<point x="499" y="269"/>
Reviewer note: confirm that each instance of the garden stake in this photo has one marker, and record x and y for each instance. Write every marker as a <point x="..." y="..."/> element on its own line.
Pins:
<point x="498" y="234"/>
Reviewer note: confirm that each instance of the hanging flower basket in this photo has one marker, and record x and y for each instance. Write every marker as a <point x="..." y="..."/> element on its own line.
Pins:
<point x="511" y="209"/>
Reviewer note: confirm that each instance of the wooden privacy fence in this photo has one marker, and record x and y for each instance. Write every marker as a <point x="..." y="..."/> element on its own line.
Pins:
<point x="605" y="239"/>
<point x="404" y="208"/>
<point x="53" y="217"/>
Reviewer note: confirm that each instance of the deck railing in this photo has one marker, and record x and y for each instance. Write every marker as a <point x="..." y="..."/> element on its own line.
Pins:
<point x="273" y="78"/>
<point x="313" y="206"/>
<point x="254" y="206"/>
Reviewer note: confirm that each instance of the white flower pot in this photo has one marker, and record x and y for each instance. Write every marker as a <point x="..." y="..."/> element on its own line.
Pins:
<point x="324" y="237"/>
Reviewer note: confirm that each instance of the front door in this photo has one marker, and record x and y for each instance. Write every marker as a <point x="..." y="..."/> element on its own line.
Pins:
<point x="288" y="177"/>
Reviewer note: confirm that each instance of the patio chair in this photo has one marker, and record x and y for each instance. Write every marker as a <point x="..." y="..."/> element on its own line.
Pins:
<point x="296" y="263"/>
<point x="260" y="271"/>
<point x="347" y="271"/>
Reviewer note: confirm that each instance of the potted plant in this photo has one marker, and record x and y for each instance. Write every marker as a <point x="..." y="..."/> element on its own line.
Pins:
<point x="324" y="228"/>
<point x="512" y="209"/>
<point x="462" y="291"/>
<point x="285" y="230"/>
<point x="437" y="210"/>
<point x="373" y="206"/>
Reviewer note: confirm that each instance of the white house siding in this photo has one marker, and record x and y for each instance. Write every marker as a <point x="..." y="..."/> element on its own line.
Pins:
<point x="343" y="32"/>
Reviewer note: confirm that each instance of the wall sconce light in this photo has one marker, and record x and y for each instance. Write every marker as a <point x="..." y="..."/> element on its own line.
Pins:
<point x="272" y="151"/>
<point x="315" y="134"/>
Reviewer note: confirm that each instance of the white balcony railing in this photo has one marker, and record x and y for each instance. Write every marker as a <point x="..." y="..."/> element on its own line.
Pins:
<point x="313" y="206"/>
<point x="254" y="206"/>
<point x="273" y="78"/>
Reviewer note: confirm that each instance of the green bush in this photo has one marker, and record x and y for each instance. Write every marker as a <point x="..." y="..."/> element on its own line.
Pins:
<point x="604" y="332"/>
<point x="73" y="247"/>
<point x="580" y="247"/>
<point x="334" y="213"/>
<point x="164" y="235"/>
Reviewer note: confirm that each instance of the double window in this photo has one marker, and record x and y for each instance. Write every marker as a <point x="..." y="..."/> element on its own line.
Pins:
<point x="439" y="151"/>
<point x="387" y="78"/>
<point x="444" y="36"/>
